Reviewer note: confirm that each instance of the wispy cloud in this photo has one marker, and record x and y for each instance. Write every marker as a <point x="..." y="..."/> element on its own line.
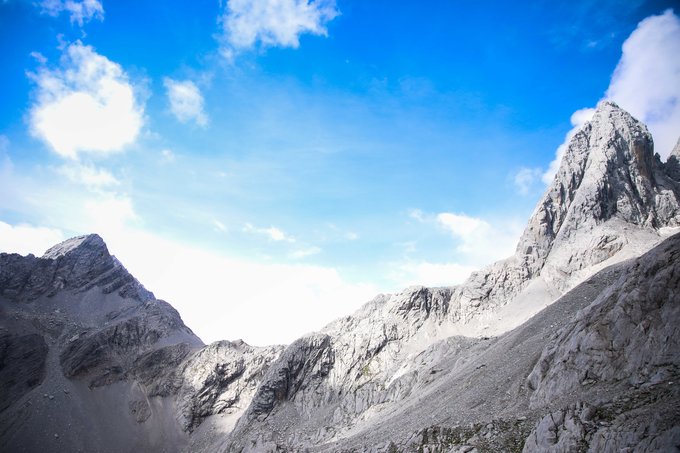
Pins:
<point x="526" y="178"/>
<point x="87" y="175"/>
<point x="186" y="101"/>
<point x="270" y="23"/>
<point x="219" y="226"/>
<point x="80" y="11"/>
<point x="305" y="252"/>
<point x="272" y="232"/>
<point x="87" y="105"/>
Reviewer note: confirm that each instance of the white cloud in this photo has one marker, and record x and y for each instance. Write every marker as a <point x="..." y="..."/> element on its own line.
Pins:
<point x="40" y="58"/>
<point x="87" y="175"/>
<point x="646" y="81"/>
<point x="80" y="11"/>
<point x="478" y="242"/>
<point x="25" y="239"/>
<point x="351" y="236"/>
<point x="273" y="22"/>
<point x="88" y="105"/>
<point x="461" y="225"/>
<point x="525" y="178"/>
<point x="186" y="101"/>
<point x="578" y="119"/>
<point x="272" y="233"/>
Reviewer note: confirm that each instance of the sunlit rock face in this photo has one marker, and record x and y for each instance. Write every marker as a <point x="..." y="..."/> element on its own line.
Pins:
<point x="571" y="344"/>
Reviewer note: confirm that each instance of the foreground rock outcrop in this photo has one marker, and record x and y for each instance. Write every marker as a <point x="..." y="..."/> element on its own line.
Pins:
<point x="571" y="344"/>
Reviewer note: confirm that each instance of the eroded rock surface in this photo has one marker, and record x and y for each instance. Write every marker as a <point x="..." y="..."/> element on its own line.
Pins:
<point x="571" y="344"/>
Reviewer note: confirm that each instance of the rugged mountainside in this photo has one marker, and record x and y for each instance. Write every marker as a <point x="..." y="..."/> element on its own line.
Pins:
<point x="571" y="344"/>
<point x="91" y="361"/>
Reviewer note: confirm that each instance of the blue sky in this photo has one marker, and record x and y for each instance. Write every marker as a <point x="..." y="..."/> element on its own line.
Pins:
<point x="268" y="165"/>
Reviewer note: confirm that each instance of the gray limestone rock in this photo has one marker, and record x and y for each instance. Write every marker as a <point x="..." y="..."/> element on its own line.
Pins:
<point x="22" y="366"/>
<point x="222" y="378"/>
<point x="562" y="431"/>
<point x="607" y="203"/>
<point x="571" y="344"/>
<point x="629" y="334"/>
<point x="105" y="355"/>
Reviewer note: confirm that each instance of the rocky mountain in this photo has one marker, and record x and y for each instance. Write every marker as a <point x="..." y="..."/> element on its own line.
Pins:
<point x="571" y="344"/>
<point x="91" y="361"/>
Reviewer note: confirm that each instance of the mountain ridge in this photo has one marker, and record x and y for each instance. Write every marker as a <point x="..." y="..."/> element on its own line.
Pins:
<point x="97" y="333"/>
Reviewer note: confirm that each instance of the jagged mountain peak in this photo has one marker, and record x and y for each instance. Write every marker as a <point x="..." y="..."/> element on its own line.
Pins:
<point x="89" y="243"/>
<point x="608" y="172"/>
<point x="76" y="264"/>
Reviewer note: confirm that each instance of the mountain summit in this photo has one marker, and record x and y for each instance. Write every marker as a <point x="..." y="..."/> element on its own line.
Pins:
<point x="570" y="344"/>
<point x="609" y="181"/>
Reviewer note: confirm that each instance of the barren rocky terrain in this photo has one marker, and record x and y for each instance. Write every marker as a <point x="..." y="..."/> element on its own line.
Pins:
<point x="570" y="345"/>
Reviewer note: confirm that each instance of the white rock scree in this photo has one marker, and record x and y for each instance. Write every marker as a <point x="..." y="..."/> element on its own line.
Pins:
<point x="572" y="344"/>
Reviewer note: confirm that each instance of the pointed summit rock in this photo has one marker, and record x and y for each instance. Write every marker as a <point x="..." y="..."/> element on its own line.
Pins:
<point x="87" y="244"/>
<point x="609" y="189"/>
<point x="608" y="171"/>
<point x="79" y="263"/>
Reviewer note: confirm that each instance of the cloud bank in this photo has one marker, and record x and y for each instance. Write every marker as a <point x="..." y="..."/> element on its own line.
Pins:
<point x="87" y="105"/>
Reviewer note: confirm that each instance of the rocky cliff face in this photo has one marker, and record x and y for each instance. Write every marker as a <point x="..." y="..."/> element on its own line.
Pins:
<point x="568" y="345"/>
